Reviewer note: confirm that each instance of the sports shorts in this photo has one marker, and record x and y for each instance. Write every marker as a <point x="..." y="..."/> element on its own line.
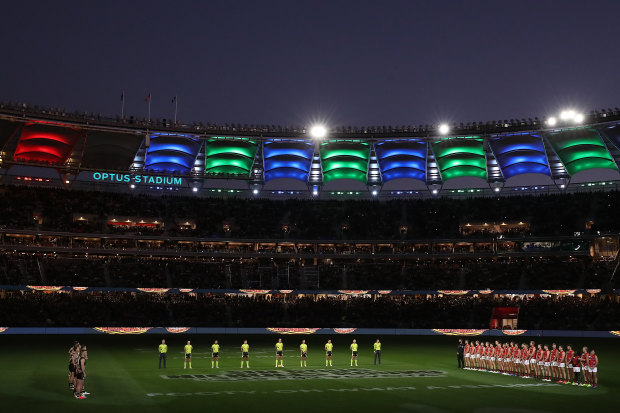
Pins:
<point x="215" y="355"/>
<point x="278" y="353"/>
<point x="562" y="365"/>
<point x="593" y="369"/>
<point x="244" y="354"/>
<point x="329" y="353"/>
<point x="547" y="364"/>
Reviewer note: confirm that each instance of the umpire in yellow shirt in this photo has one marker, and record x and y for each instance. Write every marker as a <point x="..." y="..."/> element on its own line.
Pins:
<point x="163" y="349"/>
<point x="377" y="348"/>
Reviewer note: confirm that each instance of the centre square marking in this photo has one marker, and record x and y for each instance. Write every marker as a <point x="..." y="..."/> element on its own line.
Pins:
<point x="317" y="374"/>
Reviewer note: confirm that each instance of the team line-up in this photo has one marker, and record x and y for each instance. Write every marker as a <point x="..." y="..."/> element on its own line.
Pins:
<point x="279" y="348"/>
<point x="534" y="361"/>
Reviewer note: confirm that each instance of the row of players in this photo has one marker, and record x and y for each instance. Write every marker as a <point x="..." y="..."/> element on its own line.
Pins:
<point x="539" y="361"/>
<point x="279" y="347"/>
<point x="78" y="355"/>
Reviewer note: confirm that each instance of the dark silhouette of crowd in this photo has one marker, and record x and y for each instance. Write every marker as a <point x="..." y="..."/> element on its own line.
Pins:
<point x="523" y="273"/>
<point x="20" y="308"/>
<point x="56" y="209"/>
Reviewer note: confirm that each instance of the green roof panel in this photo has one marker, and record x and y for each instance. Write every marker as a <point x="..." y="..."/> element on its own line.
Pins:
<point x="230" y="155"/>
<point x="344" y="159"/>
<point x="581" y="149"/>
<point x="460" y="157"/>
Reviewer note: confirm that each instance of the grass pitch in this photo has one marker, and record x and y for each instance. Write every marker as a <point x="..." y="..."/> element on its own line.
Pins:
<point x="418" y="374"/>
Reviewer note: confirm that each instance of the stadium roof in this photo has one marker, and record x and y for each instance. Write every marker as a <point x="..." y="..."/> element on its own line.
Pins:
<point x="374" y="161"/>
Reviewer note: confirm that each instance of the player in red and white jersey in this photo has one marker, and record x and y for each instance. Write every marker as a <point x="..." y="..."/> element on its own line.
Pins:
<point x="576" y="362"/>
<point x="562" y="365"/>
<point x="569" y="363"/>
<point x="498" y="356"/>
<point x="477" y="350"/>
<point x="585" y="366"/>
<point x="518" y="361"/>
<point x="467" y="348"/>
<point x="483" y="355"/>
<point x="593" y="367"/>
<point x="473" y="355"/>
<point x="525" y="359"/>
<point x="507" y="360"/>
<point x="547" y="361"/>
<point x="487" y="354"/>
<point x="532" y="357"/>
<point x="493" y="358"/>
<point x="540" y="362"/>
<point x="515" y="358"/>
<point x="553" y="359"/>
<point x="516" y="352"/>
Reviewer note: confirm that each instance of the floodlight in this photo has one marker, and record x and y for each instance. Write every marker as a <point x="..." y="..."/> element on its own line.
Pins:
<point x="375" y="192"/>
<point x="578" y="118"/>
<point x="132" y="186"/>
<point x="552" y="121"/>
<point x="567" y="114"/>
<point x="318" y="131"/>
<point x="444" y="128"/>
<point x="496" y="189"/>
<point x="434" y="191"/>
<point x="255" y="191"/>
<point x="195" y="189"/>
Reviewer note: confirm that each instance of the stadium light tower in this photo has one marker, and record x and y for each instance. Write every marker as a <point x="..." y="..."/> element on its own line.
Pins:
<point x="552" y="121"/>
<point x="444" y="129"/>
<point x="318" y="131"/>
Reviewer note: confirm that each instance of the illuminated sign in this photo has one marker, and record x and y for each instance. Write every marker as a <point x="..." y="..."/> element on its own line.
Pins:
<point x="137" y="179"/>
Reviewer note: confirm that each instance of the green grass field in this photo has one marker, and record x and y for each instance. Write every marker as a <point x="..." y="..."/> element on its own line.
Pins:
<point x="122" y="376"/>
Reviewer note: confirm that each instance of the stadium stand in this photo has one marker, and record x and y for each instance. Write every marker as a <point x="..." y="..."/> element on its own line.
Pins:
<point x="76" y="212"/>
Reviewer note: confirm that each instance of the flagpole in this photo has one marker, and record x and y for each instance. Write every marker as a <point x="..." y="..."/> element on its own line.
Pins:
<point x="149" y="108"/>
<point x="123" y="105"/>
<point x="176" y="108"/>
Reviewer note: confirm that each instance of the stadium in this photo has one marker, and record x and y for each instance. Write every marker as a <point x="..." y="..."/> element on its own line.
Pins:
<point x="413" y="235"/>
<point x="394" y="206"/>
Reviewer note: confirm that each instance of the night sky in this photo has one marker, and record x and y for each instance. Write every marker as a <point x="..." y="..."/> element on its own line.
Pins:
<point x="293" y="62"/>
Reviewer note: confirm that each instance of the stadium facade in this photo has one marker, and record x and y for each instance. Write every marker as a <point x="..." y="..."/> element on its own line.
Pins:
<point x="47" y="146"/>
